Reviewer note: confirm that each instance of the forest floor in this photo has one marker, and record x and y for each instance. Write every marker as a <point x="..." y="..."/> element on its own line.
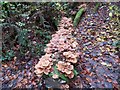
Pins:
<point x="99" y="66"/>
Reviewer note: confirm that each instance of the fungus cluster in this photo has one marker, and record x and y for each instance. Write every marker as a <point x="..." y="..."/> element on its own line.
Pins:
<point x="62" y="45"/>
<point x="62" y="39"/>
<point x="70" y="56"/>
<point x="66" y="68"/>
<point x="44" y="66"/>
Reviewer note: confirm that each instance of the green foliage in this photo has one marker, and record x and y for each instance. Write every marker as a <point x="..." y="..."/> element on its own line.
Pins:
<point x="77" y="17"/>
<point x="61" y="76"/>
<point x="9" y="38"/>
<point x="8" y="9"/>
<point x="97" y="6"/>
<point x="8" y="55"/>
<point x="115" y="17"/>
<point x="28" y="21"/>
<point x="14" y="35"/>
<point x="60" y="9"/>
<point x="22" y="37"/>
<point x="28" y="45"/>
<point x="75" y="72"/>
<point x="116" y="44"/>
<point x="114" y="10"/>
<point x="20" y="24"/>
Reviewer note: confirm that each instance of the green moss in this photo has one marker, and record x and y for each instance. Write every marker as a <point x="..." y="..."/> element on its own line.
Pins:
<point x="77" y="17"/>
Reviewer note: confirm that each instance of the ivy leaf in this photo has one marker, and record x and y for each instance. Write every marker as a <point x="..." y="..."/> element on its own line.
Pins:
<point x="62" y="76"/>
<point x="75" y="72"/>
<point x="56" y="71"/>
<point x="51" y="74"/>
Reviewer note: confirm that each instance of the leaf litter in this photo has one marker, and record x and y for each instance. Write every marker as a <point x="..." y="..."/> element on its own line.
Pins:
<point x="98" y="65"/>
